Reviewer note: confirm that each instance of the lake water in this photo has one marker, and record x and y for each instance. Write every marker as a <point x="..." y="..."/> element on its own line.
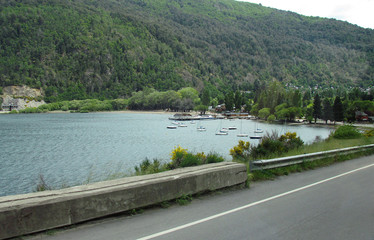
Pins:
<point x="71" y="149"/>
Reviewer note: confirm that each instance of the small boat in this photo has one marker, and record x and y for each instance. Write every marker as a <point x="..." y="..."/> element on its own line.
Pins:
<point x="182" y="125"/>
<point x="221" y="133"/>
<point x="171" y="127"/>
<point x="255" y="137"/>
<point x="175" y="123"/>
<point x="201" y="129"/>
<point x="259" y="130"/>
<point x="233" y="128"/>
<point x="241" y="134"/>
<point x="193" y="122"/>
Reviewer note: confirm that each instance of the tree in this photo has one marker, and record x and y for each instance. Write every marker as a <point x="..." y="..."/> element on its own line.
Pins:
<point x="338" y="110"/>
<point x="229" y="101"/>
<point x="306" y="98"/>
<point x="295" y="98"/>
<point x="238" y="100"/>
<point x="317" y="108"/>
<point x="201" y="108"/>
<point x="327" y="113"/>
<point x="264" y="113"/>
<point x="189" y="93"/>
<point x="205" y="97"/>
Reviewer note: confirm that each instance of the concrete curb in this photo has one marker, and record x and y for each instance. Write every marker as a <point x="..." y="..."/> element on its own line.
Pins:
<point x="34" y="212"/>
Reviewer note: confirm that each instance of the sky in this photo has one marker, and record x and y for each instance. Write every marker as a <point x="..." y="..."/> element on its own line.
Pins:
<point x="359" y="12"/>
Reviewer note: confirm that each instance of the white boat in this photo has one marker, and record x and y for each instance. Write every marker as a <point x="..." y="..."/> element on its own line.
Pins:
<point x="241" y="134"/>
<point x="201" y="129"/>
<point x="182" y="125"/>
<point x="171" y="127"/>
<point x="232" y="128"/>
<point x="221" y="133"/>
<point x="259" y="130"/>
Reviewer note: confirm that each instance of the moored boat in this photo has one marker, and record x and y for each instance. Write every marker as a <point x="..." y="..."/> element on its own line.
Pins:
<point x="221" y="133"/>
<point x="201" y="129"/>
<point x="259" y="130"/>
<point x="255" y="137"/>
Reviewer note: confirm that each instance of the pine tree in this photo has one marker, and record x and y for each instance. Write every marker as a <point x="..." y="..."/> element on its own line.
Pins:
<point x="338" y="110"/>
<point x="317" y="108"/>
<point x="327" y="113"/>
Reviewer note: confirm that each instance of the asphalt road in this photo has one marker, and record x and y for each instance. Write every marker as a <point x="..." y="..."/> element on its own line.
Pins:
<point x="335" y="202"/>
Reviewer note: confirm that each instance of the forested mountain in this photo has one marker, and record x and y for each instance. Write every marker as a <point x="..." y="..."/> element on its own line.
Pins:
<point x="111" y="48"/>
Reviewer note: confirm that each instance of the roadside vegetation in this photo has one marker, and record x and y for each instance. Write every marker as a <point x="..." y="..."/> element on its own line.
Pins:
<point x="180" y="158"/>
<point x="274" y="146"/>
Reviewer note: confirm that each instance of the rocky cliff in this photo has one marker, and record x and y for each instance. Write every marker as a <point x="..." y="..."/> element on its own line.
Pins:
<point x="21" y="97"/>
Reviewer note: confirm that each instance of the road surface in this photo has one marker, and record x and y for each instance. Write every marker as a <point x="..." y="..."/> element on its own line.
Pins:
<point x="335" y="202"/>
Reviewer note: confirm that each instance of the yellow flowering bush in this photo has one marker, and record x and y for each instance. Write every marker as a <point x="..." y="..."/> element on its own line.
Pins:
<point x="241" y="151"/>
<point x="177" y="155"/>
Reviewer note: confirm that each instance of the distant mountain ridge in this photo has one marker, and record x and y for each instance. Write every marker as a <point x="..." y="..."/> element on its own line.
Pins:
<point x="109" y="49"/>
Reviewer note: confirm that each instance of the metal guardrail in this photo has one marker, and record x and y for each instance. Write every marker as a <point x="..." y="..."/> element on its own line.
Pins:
<point x="287" y="161"/>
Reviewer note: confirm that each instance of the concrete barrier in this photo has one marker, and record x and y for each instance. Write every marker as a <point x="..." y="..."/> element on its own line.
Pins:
<point x="34" y="212"/>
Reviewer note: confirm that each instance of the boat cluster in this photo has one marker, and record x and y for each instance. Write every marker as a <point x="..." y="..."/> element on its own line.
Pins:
<point x="176" y="124"/>
<point x="222" y="130"/>
<point x="189" y="117"/>
<point x="225" y="131"/>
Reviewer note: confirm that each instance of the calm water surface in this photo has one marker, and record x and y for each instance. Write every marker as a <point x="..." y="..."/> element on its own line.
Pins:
<point x="71" y="149"/>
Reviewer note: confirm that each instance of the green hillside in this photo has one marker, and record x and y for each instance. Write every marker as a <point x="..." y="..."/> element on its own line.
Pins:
<point x="111" y="48"/>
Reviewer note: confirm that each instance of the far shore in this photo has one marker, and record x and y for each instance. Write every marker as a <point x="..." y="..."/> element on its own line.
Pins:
<point x="121" y="111"/>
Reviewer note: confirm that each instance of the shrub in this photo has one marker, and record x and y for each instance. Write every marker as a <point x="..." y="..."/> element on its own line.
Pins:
<point x="119" y="104"/>
<point x="369" y="133"/>
<point x="271" y="145"/>
<point x="290" y="141"/>
<point x="65" y="108"/>
<point x="214" y="158"/>
<point x="176" y="157"/>
<point x="189" y="160"/>
<point x="240" y="152"/>
<point x="271" y="118"/>
<point x="30" y="110"/>
<point x="181" y="158"/>
<point x="346" y="132"/>
<point x="146" y="167"/>
<point x="42" y="185"/>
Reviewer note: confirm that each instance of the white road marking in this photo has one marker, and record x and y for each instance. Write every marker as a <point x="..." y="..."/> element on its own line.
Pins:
<point x="251" y="204"/>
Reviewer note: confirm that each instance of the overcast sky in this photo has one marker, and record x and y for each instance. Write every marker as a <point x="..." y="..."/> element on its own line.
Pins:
<point x="359" y="12"/>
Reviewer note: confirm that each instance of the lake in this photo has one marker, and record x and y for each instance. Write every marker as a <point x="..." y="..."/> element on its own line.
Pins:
<point x="71" y="149"/>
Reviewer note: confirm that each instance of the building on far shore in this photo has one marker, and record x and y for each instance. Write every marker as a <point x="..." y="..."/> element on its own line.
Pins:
<point x="10" y="104"/>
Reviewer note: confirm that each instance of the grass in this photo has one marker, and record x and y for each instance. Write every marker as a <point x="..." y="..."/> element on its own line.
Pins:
<point x="271" y="174"/>
<point x="184" y="199"/>
<point x="329" y="144"/>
